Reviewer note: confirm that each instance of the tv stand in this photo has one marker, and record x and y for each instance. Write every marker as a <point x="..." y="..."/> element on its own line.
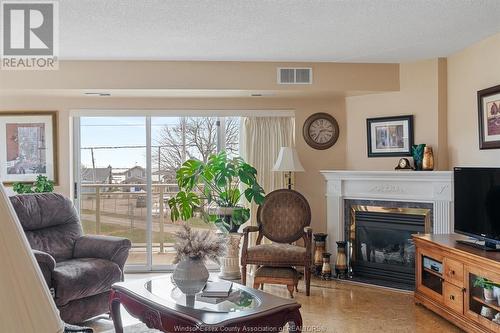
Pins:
<point x="446" y="270"/>
<point x="479" y="244"/>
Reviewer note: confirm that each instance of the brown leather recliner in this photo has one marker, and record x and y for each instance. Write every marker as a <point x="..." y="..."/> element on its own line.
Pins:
<point x="283" y="218"/>
<point x="79" y="268"/>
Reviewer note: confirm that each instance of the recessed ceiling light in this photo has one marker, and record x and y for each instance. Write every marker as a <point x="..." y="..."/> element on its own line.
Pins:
<point x="99" y="94"/>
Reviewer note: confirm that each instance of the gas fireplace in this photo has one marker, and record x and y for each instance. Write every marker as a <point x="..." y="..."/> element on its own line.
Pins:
<point x="381" y="249"/>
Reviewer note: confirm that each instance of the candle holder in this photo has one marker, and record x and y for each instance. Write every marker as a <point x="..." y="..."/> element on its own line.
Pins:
<point x="326" y="268"/>
<point x="319" y="249"/>
<point x="341" y="260"/>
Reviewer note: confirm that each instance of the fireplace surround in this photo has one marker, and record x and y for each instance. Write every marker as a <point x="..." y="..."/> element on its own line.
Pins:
<point x="430" y="193"/>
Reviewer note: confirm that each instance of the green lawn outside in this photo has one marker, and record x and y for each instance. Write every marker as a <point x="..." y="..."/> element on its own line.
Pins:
<point x="136" y="235"/>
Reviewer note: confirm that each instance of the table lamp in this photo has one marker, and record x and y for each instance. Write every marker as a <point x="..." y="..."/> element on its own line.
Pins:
<point x="26" y="305"/>
<point x="288" y="161"/>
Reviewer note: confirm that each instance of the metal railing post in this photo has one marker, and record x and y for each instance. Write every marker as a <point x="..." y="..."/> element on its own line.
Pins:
<point x="98" y="210"/>
<point x="160" y="215"/>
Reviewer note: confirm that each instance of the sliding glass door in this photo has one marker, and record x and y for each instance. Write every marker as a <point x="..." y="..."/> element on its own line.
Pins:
<point x="122" y="159"/>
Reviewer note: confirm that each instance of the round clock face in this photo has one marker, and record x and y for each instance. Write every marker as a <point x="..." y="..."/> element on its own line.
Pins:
<point x="321" y="131"/>
<point x="402" y="163"/>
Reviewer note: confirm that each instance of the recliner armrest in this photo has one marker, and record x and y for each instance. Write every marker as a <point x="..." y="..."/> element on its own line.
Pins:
<point x="103" y="247"/>
<point x="47" y="264"/>
<point x="45" y="259"/>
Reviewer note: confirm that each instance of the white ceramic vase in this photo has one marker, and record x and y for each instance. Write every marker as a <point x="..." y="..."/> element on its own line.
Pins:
<point x="496" y="294"/>
<point x="489" y="294"/>
<point x="191" y="276"/>
<point x="230" y="262"/>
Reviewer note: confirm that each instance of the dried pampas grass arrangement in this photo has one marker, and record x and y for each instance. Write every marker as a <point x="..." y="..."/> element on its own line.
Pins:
<point x="198" y="244"/>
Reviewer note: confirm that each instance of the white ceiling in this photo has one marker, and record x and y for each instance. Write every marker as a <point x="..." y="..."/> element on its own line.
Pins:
<point x="273" y="30"/>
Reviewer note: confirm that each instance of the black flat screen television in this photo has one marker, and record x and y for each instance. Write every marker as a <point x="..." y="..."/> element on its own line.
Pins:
<point x="477" y="204"/>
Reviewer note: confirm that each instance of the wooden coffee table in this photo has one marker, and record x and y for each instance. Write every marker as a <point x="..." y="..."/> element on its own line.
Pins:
<point x="160" y="305"/>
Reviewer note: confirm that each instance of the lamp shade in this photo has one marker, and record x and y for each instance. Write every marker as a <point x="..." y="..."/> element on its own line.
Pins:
<point x="26" y="305"/>
<point x="288" y="160"/>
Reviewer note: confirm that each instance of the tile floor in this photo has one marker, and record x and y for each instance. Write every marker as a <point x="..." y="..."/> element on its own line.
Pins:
<point x="342" y="307"/>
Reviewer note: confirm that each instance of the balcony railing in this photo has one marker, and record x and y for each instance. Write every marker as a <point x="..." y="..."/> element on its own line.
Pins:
<point x="121" y="210"/>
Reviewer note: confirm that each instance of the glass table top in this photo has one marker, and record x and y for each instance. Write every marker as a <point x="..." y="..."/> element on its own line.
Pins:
<point x="238" y="300"/>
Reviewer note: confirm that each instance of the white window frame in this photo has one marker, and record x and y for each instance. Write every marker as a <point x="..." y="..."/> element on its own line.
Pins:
<point x="148" y="114"/>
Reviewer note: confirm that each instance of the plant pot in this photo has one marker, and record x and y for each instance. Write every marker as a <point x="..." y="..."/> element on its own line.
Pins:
<point x="230" y="262"/>
<point x="489" y="294"/>
<point x="226" y="213"/>
<point x="190" y="276"/>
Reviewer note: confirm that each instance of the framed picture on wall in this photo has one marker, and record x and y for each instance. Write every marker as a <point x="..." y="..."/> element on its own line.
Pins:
<point x="389" y="136"/>
<point x="28" y="146"/>
<point x="488" y="101"/>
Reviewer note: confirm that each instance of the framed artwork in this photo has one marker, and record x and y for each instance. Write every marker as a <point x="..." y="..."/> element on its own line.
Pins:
<point x="389" y="136"/>
<point x="28" y="146"/>
<point x="488" y="101"/>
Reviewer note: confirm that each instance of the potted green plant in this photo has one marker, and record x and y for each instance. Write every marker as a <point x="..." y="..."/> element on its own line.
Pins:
<point x="214" y="190"/>
<point x="488" y="287"/>
<point x="41" y="185"/>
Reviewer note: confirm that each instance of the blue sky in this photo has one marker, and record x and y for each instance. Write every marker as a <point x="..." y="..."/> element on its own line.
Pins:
<point x="114" y="132"/>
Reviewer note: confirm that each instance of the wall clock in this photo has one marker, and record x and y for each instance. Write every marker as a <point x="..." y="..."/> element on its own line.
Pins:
<point x="320" y="131"/>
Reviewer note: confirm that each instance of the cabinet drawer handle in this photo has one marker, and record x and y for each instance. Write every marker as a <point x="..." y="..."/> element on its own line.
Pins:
<point x="452" y="297"/>
<point x="452" y="272"/>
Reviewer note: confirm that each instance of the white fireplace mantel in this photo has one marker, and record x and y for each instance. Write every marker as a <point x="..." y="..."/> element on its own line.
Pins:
<point x="434" y="187"/>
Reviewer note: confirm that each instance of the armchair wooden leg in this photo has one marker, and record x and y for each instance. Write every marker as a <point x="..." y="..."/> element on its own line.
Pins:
<point x="290" y="288"/>
<point x="307" y="277"/>
<point x="244" y="275"/>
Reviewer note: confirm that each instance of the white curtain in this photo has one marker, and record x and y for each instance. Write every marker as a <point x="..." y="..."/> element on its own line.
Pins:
<point x="26" y="305"/>
<point x="260" y="141"/>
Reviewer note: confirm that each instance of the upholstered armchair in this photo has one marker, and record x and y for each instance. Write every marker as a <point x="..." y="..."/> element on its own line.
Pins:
<point x="283" y="218"/>
<point x="79" y="269"/>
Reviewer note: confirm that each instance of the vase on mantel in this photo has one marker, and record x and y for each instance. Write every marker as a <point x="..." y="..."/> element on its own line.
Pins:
<point x="428" y="160"/>
<point x="417" y="152"/>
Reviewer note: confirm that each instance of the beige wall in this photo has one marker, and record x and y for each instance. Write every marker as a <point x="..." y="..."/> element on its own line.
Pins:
<point x="440" y="93"/>
<point x="420" y="84"/>
<point x="310" y="183"/>
<point x="62" y="90"/>
<point x="327" y="77"/>
<point x="475" y="68"/>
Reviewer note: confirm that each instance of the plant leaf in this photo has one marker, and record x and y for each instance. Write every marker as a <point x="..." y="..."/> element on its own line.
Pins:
<point x="241" y="215"/>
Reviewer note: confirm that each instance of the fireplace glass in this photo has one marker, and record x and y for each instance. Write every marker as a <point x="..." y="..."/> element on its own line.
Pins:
<point x="382" y="248"/>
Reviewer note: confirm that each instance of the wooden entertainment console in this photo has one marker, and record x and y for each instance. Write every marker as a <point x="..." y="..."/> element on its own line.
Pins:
<point x="445" y="275"/>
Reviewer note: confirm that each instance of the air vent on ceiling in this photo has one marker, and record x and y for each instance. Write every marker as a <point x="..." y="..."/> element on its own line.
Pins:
<point x="294" y="75"/>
